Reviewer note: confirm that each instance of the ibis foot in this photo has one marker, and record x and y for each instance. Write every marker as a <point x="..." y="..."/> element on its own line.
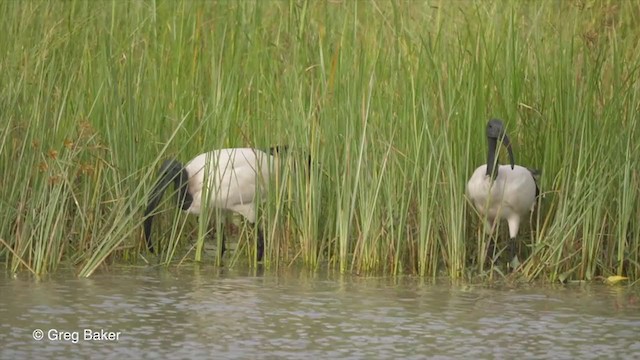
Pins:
<point x="513" y="264"/>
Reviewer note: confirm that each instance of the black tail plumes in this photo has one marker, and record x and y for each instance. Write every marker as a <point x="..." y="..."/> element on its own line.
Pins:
<point x="278" y="149"/>
<point x="171" y="171"/>
<point x="535" y="173"/>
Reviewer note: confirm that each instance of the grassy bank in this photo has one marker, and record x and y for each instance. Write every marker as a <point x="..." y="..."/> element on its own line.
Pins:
<point x="389" y="98"/>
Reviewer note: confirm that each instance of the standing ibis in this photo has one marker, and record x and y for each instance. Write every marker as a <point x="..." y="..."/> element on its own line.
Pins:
<point x="234" y="177"/>
<point x="502" y="192"/>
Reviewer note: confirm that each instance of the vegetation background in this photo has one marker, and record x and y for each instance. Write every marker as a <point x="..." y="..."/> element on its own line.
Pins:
<point x="390" y="98"/>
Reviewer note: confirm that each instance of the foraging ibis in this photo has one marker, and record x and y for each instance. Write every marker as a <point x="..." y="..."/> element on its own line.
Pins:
<point x="502" y="192"/>
<point x="234" y="177"/>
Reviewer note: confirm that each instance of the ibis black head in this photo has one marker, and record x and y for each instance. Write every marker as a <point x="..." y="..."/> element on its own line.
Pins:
<point x="495" y="132"/>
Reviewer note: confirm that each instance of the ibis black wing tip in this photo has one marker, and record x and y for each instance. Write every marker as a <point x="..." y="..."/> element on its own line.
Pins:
<point x="278" y="149"/>
<point x="535" y="174"/>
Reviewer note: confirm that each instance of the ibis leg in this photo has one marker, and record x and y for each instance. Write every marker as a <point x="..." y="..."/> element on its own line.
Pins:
<point x="260" y="244"/>
<point x="491" y="250"/>
<point x="512" y="248"/>
<point x="223" y="246"/>
<point x="513" y="257"/>
<point x="514" y="225"/>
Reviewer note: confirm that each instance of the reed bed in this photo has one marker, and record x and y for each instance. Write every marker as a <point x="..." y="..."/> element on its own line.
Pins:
<point x="390" y="99"/>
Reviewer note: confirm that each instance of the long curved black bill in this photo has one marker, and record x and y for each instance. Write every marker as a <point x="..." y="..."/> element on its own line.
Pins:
<point x="507" y="143"/>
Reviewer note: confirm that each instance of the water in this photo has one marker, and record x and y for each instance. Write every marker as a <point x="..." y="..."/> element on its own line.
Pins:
<point x="208" y="313"/>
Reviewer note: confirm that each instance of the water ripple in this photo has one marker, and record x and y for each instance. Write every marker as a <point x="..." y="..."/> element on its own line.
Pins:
<point x="203" y="314"/>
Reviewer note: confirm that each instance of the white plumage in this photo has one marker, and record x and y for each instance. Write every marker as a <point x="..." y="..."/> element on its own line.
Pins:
<point x="504" y="192"/>
<point x="234" y="179"/>
<point x="511" y="196"/>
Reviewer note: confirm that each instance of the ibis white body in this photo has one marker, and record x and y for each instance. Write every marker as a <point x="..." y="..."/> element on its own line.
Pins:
<point x="511" y="196"/>
<point x="233" y="179"/>
<point x="230" y="179"/>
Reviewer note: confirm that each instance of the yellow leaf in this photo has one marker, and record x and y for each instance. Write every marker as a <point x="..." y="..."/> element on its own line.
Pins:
<point x="613" y="279"/>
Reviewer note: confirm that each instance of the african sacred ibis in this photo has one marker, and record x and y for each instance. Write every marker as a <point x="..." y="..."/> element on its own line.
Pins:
<point x="502" y="192"/>
<point x="235" y="178"/>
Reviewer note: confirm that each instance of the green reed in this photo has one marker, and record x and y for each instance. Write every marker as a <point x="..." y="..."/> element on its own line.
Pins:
<point x="390" y="99"/>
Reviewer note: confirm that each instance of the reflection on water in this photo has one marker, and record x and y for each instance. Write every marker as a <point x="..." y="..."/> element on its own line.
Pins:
<point x="216" y="314"/>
